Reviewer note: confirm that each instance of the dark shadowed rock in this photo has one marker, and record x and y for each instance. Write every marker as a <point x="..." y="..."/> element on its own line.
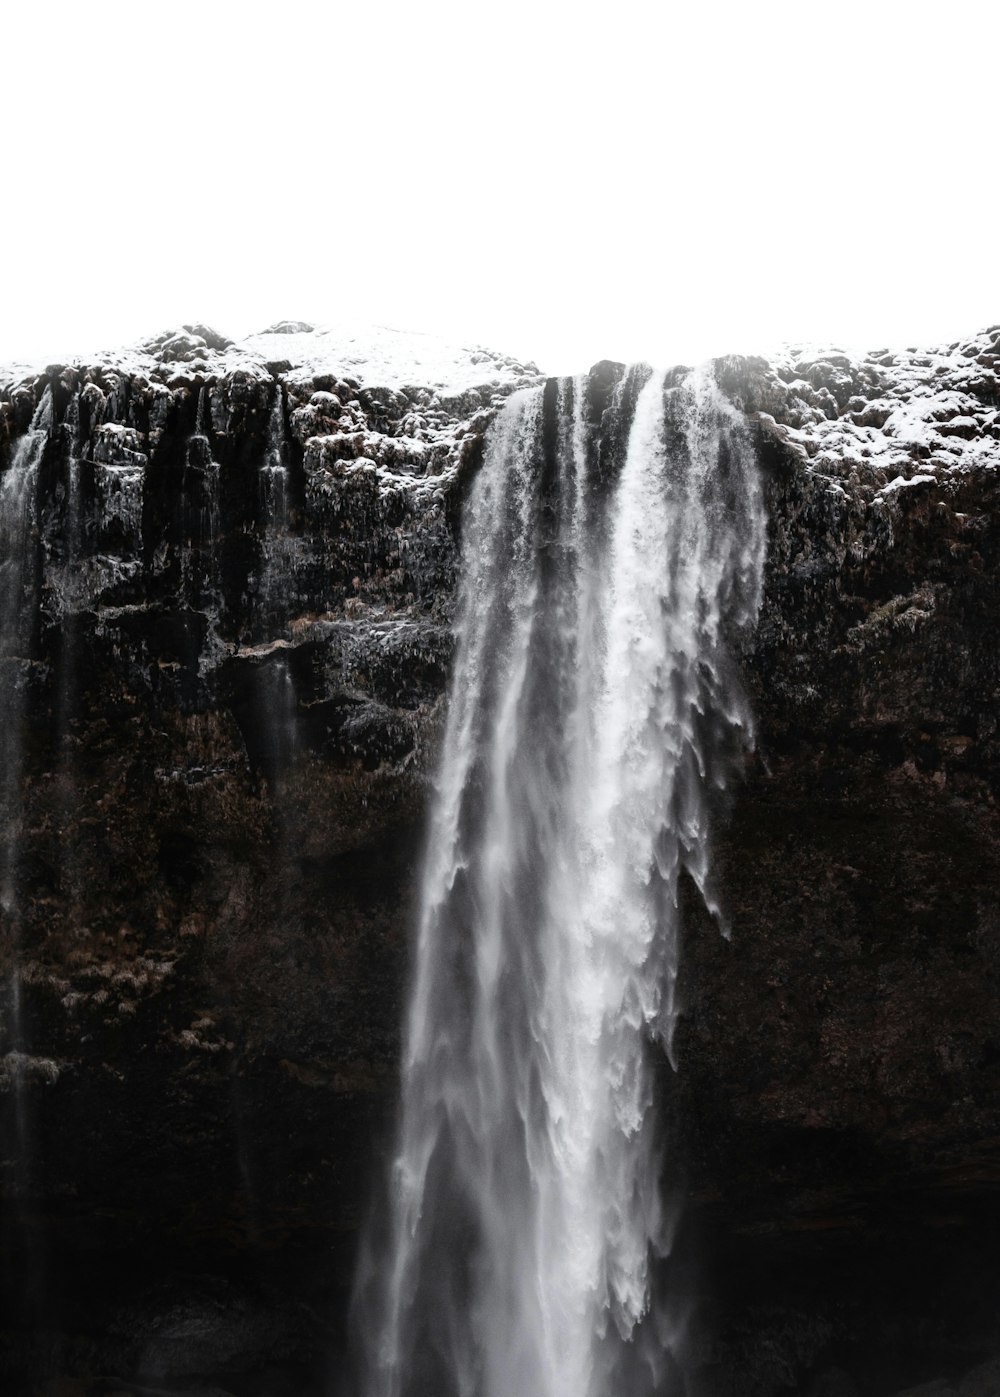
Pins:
<point x="983" y="1381"/>
<point x="833" y="1383"/>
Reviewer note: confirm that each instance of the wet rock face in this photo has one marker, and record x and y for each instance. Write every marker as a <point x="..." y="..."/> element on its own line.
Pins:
<point x="240" y="588"/>
<point x="839" y="1076"/>
<point x="241" y="585"/>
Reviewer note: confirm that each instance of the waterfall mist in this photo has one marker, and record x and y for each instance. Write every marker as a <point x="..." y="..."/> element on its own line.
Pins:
<point x="609" y="552"/>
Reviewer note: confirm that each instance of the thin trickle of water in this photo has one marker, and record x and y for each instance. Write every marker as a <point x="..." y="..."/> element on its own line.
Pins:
<point x="18" y="588"/>
<point x="593" y="710"/>
<point x="274" y="472"/>
<point x="199" y="570"/>
<point x="277" y="545"/>
<point x="18" y="610"/>
<point x="199" y="413"/>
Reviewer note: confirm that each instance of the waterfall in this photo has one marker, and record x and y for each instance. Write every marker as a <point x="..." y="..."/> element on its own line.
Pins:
<point x="18" y="604"/>
<point x="277" y="547"/>
<point x="199" y="571"/>
<point x="593" y="717"/>
<point x="19" y="583"/>
<point x="199" y="413"/>
<point x="274" y="472"/>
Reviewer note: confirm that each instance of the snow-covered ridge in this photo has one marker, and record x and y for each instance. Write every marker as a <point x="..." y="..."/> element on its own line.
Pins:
<point x="264" y="487"/>
<point x="400" y="403"/>
<point x="395" y="402"/>
<point x="376" y="356"/>
<point x="886" y="420"/>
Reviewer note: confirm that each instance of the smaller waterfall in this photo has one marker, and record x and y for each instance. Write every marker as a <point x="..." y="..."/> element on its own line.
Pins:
<point x="18" y="610"/>
<point x="277" y="544"/>
<point x="19" y="586"/>
<point x="200" y="459"/>
<point x="199" y="412"/>
<point x="593" y="712"/>
<point x="274" y="471"/>
<point x="199" y="563"/>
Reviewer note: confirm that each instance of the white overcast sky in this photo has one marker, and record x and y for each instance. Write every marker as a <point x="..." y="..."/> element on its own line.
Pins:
<point x="563" y="181"/>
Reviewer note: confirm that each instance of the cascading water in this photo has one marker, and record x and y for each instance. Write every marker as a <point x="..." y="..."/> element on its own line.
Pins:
<point x="274" y="471"/>
<point x="277" y="544"/>
<point x="18" y="610"/>
<point x="201" y="494"/>
<point x="18" y="490"/>
<point x="593" y="711"/>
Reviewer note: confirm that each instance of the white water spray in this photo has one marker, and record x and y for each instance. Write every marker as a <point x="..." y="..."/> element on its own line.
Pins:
<point x="592" y="711"/>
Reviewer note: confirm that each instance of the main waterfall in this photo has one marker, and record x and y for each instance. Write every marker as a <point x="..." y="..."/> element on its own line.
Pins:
<point x="593" y="711"/>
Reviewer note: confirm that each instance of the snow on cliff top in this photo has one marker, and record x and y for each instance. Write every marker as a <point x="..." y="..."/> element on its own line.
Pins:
<point x="882" y="420"/>
<point x="889" y="418"/>
<point x="375" y="356"/>
<point x="386" y="358"/>
<point x="421" y="395"/>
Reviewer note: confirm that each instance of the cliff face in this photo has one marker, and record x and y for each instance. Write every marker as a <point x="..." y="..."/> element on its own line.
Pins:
<point x="224" y="674"/>
<point x="840" y="1074"/>
<point x="238" y="578"/>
